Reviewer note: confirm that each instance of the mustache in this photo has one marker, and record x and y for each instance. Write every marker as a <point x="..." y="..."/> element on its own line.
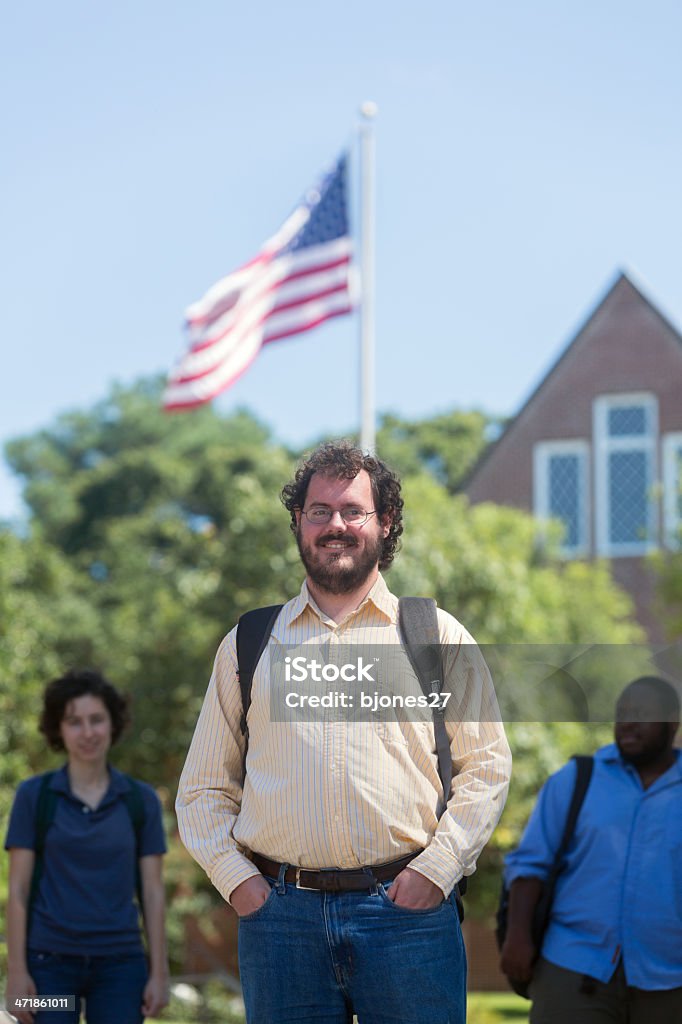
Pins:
<point x="335" y="535"/>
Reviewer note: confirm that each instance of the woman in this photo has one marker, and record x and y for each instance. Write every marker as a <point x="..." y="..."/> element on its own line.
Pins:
<point x="81" y="841"/>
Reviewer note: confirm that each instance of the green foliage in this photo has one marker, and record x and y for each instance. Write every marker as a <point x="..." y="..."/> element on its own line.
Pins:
<point x="496" y="1008"/>
<point x="539" y="749"/>
<point x="445" y="446"/>
<point x="668" y="567"/>
<point x="488" y="565"/>
<point x="151" y="533"/>
<point x="172" y="527"/>
<point x="44" y="618"/>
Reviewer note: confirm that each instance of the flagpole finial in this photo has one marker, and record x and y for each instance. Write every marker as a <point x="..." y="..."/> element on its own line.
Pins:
<point x="369" y="110"/>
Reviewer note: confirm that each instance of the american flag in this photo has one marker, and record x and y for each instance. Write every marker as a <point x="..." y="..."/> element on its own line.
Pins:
<point x="301" y="277"/>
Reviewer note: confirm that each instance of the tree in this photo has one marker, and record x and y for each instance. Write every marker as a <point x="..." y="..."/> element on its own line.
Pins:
<point x="491" y="567"/>
<point x="446" y="446"/>
<point x="668" y="566"/>
<point x="43" y="618"/>
<point x="172" y="527"/>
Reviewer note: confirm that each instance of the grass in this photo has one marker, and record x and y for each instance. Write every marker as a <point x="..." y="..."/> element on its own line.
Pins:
<point x="497" y="1008"/>
<point x="483" y="1008"/>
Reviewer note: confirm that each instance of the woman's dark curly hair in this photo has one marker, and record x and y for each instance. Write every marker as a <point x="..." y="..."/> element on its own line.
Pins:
<point x="80" y="682"/>
<point x="341" y="460"/>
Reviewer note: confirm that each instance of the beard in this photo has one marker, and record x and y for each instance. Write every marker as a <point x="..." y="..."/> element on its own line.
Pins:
<point x="650" y="753"/>
<point x="332" y="576"/>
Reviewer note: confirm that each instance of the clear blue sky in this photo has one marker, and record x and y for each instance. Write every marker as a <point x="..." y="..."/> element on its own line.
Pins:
<point x="525" y="152"/>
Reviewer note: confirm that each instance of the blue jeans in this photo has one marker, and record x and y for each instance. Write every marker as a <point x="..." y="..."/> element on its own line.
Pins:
<point x="112" y="986"/>
<point x="308" y="956"/>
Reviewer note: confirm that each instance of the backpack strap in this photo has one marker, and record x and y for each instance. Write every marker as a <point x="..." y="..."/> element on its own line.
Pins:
<point x="134" y="804"/>
<point x="421" y="639"/>
<point x="253" y="632"/>
<point x="584" y="765"/>
<point x="418" y="621"/>
<point x="45" y="809"/>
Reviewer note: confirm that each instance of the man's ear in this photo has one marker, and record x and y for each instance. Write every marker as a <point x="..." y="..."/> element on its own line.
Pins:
<point x="386" y="522"/>
<point x="297" y="513"/>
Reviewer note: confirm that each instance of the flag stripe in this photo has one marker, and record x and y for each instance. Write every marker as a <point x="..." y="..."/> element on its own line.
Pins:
<point x="308" y="260"/>
<point x="209" y="359"/>
<point x="292" y="290"/>
<point x="208" y="387"/>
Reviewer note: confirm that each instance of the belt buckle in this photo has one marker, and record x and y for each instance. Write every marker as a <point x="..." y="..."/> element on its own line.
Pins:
<point x="308" y="888"/>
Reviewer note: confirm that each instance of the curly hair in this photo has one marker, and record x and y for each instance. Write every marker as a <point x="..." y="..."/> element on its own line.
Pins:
<point x="342" y="460"/>
<point x="80" y="683"/>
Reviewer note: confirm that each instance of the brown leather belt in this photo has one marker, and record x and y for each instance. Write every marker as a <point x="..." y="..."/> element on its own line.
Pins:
<point x="330" y="880"/>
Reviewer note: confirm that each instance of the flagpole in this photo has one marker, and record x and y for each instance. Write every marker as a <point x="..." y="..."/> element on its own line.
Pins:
<point x="368" y="111"/>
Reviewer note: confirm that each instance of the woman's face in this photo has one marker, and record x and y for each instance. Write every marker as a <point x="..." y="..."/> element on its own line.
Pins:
<point x="86" y="729"/>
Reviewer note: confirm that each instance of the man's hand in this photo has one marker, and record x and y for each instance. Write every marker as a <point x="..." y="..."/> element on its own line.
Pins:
<point x="518" y="953"/>
<point x="517" y="957"/>
<point x="414" y="891"/>
<point x="250" y="895"/>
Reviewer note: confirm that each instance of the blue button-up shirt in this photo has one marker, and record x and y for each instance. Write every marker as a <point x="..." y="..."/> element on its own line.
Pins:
<point x="620" y="893"/>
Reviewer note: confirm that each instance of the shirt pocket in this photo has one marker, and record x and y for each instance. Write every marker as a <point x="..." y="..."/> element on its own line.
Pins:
<point x="406" y="732"/>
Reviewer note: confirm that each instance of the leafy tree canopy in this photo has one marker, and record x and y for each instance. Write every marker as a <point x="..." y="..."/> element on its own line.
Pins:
<point x="445" y="446"/>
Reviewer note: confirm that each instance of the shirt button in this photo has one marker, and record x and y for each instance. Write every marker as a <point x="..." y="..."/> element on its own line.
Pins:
<point x="86" y="810"/>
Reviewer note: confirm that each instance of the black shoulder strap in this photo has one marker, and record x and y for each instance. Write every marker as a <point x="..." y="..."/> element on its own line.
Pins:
<point x="584" y="765"/>
<point x="253" y="632"/>
<point x="45" y="808"/>
<point x="134" y="803"/>
<point x="421" y="639"/>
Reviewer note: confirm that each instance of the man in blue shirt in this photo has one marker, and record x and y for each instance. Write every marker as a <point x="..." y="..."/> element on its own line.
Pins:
<point x="612" y="951"/>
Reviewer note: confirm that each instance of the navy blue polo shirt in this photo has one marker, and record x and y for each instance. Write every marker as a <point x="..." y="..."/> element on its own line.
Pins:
<point x="86" y="898"/>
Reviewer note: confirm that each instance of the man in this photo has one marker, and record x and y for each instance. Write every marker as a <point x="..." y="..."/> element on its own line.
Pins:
<point x="613" y="949"/>
<point x="312" y="851"/>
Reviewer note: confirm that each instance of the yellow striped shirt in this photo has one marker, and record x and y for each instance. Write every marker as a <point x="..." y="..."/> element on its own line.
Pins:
<point x="324" y="794"/>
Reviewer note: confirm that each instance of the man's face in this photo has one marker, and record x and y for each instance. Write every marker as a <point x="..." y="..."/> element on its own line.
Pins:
<point x="639" y="739"/>
<point x="339" y="557"/>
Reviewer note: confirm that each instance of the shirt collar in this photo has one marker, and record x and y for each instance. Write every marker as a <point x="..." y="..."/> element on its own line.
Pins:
<point x="612" y="753"/>
<point x="60" y="781"/>
<point x="380" y="596"/>
<point x="118" y="782"/>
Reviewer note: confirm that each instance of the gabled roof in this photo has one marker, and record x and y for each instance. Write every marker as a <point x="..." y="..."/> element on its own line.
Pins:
<point x="620" y="277"/>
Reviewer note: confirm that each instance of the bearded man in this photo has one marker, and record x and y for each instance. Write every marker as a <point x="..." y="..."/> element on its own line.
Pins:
<point x="334" y="846"/>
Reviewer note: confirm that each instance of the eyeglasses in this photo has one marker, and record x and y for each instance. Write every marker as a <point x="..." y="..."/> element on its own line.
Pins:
<point x="320" y="515"/>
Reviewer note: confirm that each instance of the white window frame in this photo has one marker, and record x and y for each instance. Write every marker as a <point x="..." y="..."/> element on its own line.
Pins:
<point x="672" y="444"/>
<point x="542" y="452"/>
<point x="604" y="445"/>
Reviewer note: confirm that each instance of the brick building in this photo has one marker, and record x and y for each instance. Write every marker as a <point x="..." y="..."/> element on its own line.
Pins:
<point x="598" y="445"/>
